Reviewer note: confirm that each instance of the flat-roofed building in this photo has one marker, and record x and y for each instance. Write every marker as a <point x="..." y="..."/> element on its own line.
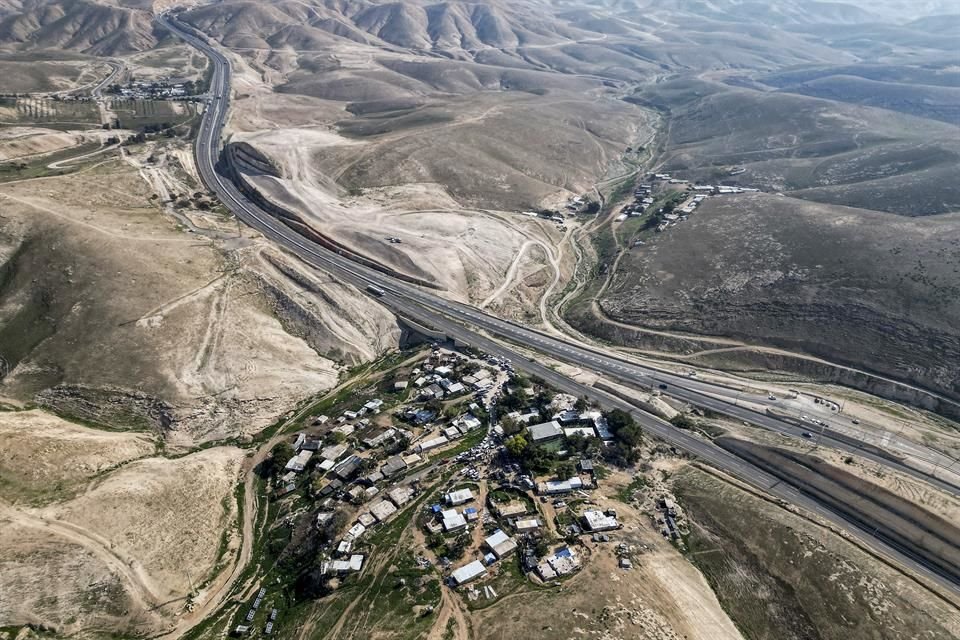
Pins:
<point x="459" y="496"/>
<point x="595" y="520"/>
<point x="501" y="544"/>
<point x="468" y="572"/>
<point x="453" y="521"/>
<point x="545" y="432"/>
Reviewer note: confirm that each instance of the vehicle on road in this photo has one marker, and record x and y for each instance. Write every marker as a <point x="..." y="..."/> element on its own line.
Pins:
<point x="375" y="290"/>
<point x="807" y="434"/>
<point x="771" y="397"/>
<point x="661" y="386"/>
<point x="855" y="421"/>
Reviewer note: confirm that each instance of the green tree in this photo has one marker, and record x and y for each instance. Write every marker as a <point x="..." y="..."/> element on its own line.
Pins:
<point x="630" y="435"/>
<point x="282" y="452"/>
<point x="617" y="419"/>
<point x="511" y="426"/>
<point x="577" y="442"/>
<point x="516" y="445"/>
<point x="565" y="470"/>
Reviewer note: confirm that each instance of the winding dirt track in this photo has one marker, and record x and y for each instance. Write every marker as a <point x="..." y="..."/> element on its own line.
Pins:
<point x="138" y="585"/>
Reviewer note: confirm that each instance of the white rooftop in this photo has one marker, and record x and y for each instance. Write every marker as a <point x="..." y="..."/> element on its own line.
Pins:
<point x="452" y="520"/>
<point x="545" y="431"/>
<point x="598" y="521"/>
<point x="459" y="497"/>
<point x="468" y="572"/>
<point x="500" y="543"/>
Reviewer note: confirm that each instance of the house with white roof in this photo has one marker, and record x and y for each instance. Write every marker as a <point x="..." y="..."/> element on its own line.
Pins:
<point x="500" y="544"/>
<point x="468" y="572"/>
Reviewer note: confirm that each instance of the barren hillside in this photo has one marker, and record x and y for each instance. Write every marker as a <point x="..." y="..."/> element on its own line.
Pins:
<point x="114" y="315"/>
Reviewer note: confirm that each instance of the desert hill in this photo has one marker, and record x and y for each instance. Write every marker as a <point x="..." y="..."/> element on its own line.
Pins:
<point x="817" y="149"/>
<point x="97" y="28"/>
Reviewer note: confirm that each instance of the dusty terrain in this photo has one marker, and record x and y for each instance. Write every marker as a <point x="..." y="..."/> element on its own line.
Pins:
<point x="781" y="271"/>
<point x="778" y="574"/>
<point x="42" y="455"/>
<point x="17" y="143"/>
<point x="197" y="322"/>
<point x="101" y="560"/>
<point x="132" y="302"/>
<point x="662" y="598"/>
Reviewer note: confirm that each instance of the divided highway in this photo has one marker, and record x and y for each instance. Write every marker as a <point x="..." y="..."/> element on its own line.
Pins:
<point x="455" y="320"/>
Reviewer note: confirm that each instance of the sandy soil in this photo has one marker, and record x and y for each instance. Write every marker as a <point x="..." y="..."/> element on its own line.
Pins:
<point x="40" y="453"/>
<point x="23" y="142"/>
<point x="198" y="319"/>
<point x="64" y="584"/>
<point x="502" y="258"/>
<point x="468" y="252"/>
<point x="187" y="494"/>
<point x="125" y="568"/>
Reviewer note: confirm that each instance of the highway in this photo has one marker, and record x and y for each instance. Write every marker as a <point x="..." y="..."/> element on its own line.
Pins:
<point x="115" y="69"/>
<point x="457" y="320"/>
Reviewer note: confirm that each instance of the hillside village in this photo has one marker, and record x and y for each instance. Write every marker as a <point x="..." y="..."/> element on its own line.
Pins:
<point x="670" y="200"/>
<point x="499" y="471"/>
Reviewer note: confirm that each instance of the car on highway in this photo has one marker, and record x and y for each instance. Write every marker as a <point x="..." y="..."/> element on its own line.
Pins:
<point x="855" y="421"/>
<point x="661" y="386"/>
<point x="807" y="434"/>
<point x="771" y="397"/>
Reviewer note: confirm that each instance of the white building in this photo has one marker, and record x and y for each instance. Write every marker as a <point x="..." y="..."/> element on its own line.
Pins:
<point x="298" y="462"/>
<point x="355" y="563"/>
<point x="554" y="487"/>
<point x="586" y="432"/>
<point x="545" y="432"/>
<point x="527" y="524"/>
<point x="355" y="532"/>
<point x="432" y="443"/>
<point x="400" y="495"/>
<point x="458" y="497"/>
<point x="382" y="510"/>
<point x="595" y="520"/>
<point x="453" y="521"/>
<point x="500" y="544"/>
<point x="468" y="572"/>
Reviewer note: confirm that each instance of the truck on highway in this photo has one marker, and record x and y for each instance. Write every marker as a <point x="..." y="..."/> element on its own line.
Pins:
<point x="375" y="290"/>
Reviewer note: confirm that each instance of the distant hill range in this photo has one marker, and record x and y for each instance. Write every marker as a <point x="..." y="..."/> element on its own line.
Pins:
<point x="87" y="26"/>
<point x="551" y="33"/>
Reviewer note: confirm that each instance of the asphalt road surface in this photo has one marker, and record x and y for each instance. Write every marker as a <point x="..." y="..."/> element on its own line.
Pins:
<point x="455" y="319"/>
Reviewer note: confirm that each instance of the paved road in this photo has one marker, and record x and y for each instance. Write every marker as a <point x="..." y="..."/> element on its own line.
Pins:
<point x="116" y="67"/>
<point x="447" y="316"/>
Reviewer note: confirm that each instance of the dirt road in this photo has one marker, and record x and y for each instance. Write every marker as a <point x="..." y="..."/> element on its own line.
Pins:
<point x="138" y="585"/>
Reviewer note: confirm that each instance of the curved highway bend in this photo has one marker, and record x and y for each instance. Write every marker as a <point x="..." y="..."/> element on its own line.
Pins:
<point x="438" y="312"/>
